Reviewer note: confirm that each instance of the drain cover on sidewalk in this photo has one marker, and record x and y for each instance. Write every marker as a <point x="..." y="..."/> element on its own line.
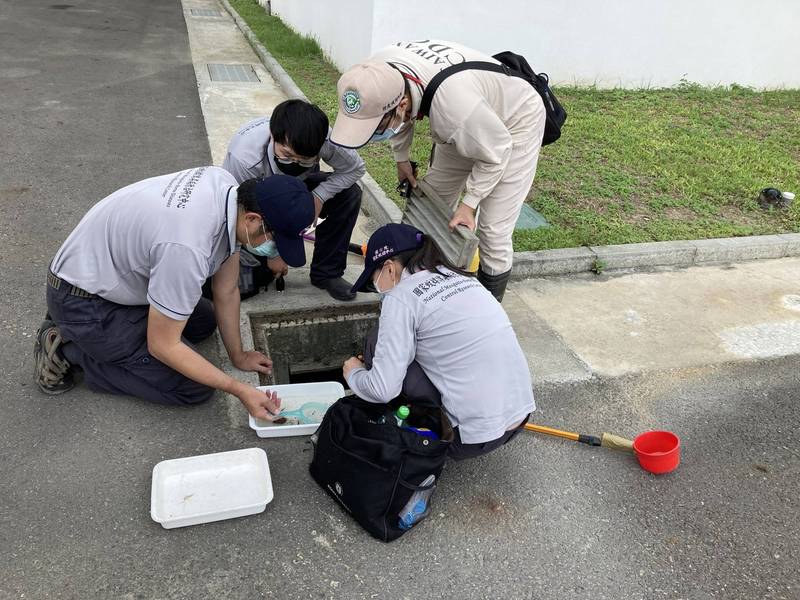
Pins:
<point x="239" y="73"/>
<point x="205" y="12"/>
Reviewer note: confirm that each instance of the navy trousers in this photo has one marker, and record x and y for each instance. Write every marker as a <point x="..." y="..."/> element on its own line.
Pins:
<point x="109" y="342"/>
<point x="332" y="236"/>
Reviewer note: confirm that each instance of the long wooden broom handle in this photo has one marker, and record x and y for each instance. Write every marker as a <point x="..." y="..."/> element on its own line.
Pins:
<point x="569" y="435"/>
<point x="608" y="440"/>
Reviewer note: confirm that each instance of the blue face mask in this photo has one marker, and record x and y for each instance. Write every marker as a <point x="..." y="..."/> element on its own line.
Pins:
<point x="380" y="137"/>
<point x="387" y="133"/>
<point x="268" y="248"/>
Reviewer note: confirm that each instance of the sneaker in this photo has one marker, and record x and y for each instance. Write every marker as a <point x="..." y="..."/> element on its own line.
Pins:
<point x="53" y="372"/>
<point x="337" y="287"/>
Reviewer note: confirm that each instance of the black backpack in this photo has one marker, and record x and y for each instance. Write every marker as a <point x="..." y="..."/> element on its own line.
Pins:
<point x="372" y="467"/>
<point x="512" y="65"/>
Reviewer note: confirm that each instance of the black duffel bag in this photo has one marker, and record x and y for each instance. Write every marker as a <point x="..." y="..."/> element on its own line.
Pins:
<point x="371" y="466"/>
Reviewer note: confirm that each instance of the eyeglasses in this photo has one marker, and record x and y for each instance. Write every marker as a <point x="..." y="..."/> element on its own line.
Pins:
<point x="385" y="122"/>
<point x="309" y="162"/>
<point x="304" y="161"/>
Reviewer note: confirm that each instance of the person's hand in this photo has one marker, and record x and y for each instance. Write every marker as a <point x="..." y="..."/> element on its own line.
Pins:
<point x="406" y="171"/>
<point x="251" y="360"/>
<point x="464" y="215"/>
<point x="277" y="266"/>
<point x="350" y="364"/>
<point x="262" y="405"/>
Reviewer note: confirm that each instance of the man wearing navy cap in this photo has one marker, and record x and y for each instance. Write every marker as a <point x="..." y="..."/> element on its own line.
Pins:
<point x="124" y="290"/>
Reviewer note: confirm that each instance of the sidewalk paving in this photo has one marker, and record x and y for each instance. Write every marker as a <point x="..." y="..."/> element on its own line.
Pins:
<point x="709" y="352"/>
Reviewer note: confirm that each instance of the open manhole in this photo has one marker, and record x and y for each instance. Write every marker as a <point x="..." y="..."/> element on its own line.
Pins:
<point x="307" y="346"/>
<point x="237" y="73"/>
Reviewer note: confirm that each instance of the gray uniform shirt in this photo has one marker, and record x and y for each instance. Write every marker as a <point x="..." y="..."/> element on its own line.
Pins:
<point x="462" y="338"/>
<point x="251" y="155"/>
<point x="155" y="241"/>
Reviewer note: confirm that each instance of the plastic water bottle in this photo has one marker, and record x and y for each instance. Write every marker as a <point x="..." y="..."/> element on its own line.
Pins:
<point x="416" y="508"/>
<point x="401" y="415"/>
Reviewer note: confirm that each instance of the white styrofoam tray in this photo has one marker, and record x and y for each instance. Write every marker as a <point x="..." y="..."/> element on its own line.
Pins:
<point x="293" y="396"/>
<point x="210" y="487"/>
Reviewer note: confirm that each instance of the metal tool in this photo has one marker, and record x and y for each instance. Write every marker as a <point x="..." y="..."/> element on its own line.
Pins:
<point x="359" y="249"/>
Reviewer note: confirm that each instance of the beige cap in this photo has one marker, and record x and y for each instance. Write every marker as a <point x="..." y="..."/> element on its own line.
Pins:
<point x="366" y="92"/>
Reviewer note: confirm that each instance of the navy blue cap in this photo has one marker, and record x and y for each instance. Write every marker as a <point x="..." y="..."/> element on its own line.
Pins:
<point x="386" y="242"/>
<point x="288" y="208"/>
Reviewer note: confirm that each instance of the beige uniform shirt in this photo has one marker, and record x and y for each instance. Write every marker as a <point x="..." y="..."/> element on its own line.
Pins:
<point x="483" y="114"/>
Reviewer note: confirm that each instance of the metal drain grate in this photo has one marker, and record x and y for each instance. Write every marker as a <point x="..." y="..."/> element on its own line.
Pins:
<point x="205" y="12"/>
<point x="240" y="73"/>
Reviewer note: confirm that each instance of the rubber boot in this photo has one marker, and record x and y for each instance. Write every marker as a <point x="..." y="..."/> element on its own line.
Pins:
<point x="496" y="284"/>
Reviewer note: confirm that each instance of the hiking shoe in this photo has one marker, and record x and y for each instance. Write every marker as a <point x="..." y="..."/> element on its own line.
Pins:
<point x="337" y="287"/>
<point x="53" y="372"/>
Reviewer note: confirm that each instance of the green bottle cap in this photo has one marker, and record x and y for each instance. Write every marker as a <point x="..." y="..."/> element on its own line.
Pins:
<point x="403" y="412"/>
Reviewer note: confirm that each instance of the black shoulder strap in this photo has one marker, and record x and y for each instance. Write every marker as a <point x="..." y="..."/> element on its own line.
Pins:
<point x="430" y="89"/>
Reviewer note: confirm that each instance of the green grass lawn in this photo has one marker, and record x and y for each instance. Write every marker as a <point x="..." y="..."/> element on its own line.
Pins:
<point x="631" y="165"/>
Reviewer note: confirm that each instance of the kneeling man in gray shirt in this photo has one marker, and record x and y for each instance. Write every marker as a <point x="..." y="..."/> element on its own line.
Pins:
<point x="124" y="290"/>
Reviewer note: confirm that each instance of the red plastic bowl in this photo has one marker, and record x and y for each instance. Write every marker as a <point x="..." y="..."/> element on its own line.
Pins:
<point x="658" y="451"/>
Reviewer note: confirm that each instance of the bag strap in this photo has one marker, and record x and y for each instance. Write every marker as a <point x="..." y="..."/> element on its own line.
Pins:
<point x="478" y="65"/>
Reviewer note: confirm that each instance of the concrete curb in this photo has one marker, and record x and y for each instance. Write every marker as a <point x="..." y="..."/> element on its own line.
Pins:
<point x="374" y="200"/>
<point x="682" y="253"/>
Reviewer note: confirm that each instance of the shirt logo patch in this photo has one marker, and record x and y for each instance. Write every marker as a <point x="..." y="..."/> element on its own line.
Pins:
<point x="351" y="102"/>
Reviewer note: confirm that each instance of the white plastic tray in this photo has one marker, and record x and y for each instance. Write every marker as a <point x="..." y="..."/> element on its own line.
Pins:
<point x="210" y="487"/>
<point x="293" y="396"/>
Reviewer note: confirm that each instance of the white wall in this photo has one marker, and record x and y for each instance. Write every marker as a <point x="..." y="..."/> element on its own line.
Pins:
<point x="628" y="43"/>
<point x="343" y="28"/>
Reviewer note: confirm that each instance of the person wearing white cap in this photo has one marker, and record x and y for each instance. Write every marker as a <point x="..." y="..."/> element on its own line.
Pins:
<point x="487" y="128"/>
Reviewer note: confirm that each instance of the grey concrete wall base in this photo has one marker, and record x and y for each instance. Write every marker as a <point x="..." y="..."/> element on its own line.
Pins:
<point x="375" y="202"/>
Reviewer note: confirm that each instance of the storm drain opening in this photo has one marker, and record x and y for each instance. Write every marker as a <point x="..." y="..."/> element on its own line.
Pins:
<point x="306" y="346"/>
<point x="232" y="73"/>
<point x="205" y="12"/>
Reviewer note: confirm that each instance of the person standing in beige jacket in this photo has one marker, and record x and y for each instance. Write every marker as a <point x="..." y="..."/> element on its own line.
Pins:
<point x="487" y="130"/>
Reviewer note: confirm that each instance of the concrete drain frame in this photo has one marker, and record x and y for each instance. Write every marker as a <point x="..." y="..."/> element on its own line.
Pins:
<point x="311" y="345"/>
<point x="306" y="333"/>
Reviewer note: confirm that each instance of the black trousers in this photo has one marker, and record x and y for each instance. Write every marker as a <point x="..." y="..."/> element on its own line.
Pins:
<point x="332" y="236"/>
<point x="109" y="342"/>
<point x="418" y="388"/>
